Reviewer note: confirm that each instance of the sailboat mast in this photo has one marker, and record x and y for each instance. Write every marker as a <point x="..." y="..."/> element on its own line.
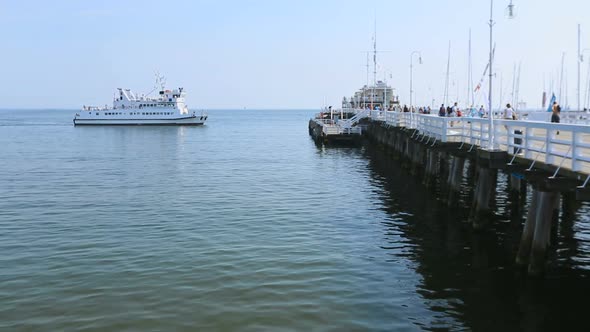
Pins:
<point x="367" y="86"/>
<point x="579" y="60"/>
<point x="586" y="101"/>
<point x="374" y="63"/>
<point x="470" y="97"/>
<point x="516" y="97"/>
<point x="501" y="84"/>
<point x="513" y="85"/>
<point x="446" y="96"/>
<point x="561" y="76"/>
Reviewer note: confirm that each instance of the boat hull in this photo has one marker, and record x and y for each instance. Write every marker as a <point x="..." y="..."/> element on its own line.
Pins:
<point x="192" y="121"/>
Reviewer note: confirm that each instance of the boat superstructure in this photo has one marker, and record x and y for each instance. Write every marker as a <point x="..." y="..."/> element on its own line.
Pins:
<point x="377" y="96"/>
<point x="167" y="107"/>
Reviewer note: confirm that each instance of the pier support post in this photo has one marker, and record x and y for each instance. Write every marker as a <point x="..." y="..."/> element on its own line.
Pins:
<point x="417" y="157"/>
<point x="484" y="190"/>
<point x="431" y="168"/>
<point x="547" y="203"/>
<point x="454" y="179"/>
<point x="524" y="249"/>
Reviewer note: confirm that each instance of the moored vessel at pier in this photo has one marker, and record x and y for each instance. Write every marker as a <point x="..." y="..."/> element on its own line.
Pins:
<point x="166" y="108"/>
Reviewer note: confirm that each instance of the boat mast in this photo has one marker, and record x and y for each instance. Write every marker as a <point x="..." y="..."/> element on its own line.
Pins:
<point x="501" y="97"/>
<point x="491" y="113"/>
<point x="567" y="103"/>
<point x="470" y="97"/>
<point x="446" y="96"/>
<point x="513" y="95"/>
<point x="586" y="101"/>
<point x="374" y="63"/>
<point x="517" y="95"/>
<point x="579" y="60"/>
<point x="561" y="76"/>
<point x="367" y="86"/>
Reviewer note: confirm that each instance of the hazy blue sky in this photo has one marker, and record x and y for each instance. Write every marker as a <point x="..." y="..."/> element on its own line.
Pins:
<point x="276" y="54"/>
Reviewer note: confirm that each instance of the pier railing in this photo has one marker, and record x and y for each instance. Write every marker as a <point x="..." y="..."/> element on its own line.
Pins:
<point x="561" y="144"/>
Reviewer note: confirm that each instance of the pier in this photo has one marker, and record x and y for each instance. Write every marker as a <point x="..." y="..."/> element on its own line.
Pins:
<point x="548" y="161"/>
<point x="342" y="127"/>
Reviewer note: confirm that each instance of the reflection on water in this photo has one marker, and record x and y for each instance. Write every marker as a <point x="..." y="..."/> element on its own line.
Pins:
<point x="470" y="275"/>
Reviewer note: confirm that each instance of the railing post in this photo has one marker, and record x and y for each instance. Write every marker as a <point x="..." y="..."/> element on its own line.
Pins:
<point x="528" y="143"/>
<point x="576" y="165"/>
<point x="443" y="136"/>
<point x="548" y="147"/>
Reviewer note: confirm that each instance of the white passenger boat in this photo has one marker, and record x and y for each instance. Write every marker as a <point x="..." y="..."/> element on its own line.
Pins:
<point x="166" y="108"/>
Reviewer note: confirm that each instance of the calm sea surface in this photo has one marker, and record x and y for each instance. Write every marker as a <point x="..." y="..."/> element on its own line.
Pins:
<point x="245" y="224"/>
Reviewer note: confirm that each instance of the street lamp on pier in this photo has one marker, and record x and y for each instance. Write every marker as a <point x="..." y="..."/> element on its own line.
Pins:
<point x="411" y="76"/>
<point x="510" y="12"/>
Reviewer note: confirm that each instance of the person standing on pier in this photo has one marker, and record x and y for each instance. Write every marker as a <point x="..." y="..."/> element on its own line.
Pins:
<point x="482" y="112"/>
<point x="509" y="113"/>
<point x="442" y="110"/>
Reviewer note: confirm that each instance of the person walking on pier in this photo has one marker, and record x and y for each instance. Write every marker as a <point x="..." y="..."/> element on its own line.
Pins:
<point x="510" y="114"/>
<point x="555" y="112"/>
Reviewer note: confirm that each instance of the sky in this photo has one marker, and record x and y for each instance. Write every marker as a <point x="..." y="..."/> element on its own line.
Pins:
<point x="271" y="54"/>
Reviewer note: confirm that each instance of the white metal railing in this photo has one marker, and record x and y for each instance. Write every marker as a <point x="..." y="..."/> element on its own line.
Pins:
<point x="349" y="123"/>
<point x="561" y="144"/>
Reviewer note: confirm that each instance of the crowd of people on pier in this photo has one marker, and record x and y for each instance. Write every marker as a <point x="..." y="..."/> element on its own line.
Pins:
<point x="455" y="111"/>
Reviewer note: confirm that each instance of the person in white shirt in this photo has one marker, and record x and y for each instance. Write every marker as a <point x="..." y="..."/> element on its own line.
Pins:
<point x="509" y="113"/>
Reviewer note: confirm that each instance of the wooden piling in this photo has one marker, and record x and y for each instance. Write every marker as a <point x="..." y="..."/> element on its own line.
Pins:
<point x="454" y="180"/>
<point x="524" y="249"/>
<point x="481" y="207"/>
<point x="544" y="217"/>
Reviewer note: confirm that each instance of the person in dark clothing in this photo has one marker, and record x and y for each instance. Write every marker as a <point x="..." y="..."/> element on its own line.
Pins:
<point x="555" y="112"/>
<point x="442" y="110"/>
<point x="406" y="109"/>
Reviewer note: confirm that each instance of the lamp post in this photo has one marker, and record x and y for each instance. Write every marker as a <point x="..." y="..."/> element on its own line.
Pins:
<point x="491" y="113"/>
<point x="411" y="76"/>
<point x="510" y="12"/>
